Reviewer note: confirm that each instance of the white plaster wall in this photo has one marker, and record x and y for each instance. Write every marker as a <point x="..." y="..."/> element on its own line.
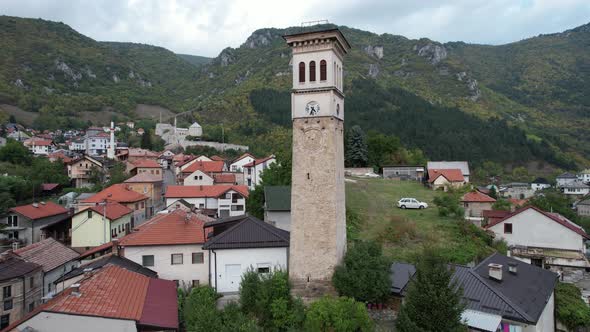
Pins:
<point x="546" y="322"/>
<point x="246" y="258"/>
<point x="56" y="273"/>
<point x="531" y="228"/>
<point x="238" y="165"/>
<point x="186" y="272"/>
<point x="280" y="219"/>
<point x="190" y="180"/>
<point x="56" y="322"/>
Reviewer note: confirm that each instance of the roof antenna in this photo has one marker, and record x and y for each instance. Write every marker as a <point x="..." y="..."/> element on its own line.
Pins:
<point x="310" y="23"/>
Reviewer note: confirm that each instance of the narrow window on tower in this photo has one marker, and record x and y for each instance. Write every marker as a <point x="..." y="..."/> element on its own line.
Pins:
<point x="302" y="72"/>
<point x="323" y="73"/>
<point x="312" y="71"/>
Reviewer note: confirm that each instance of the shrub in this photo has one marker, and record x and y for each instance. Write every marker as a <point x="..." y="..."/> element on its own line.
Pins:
<point x="363" y="274"/>
<point x="233" y="319"/>
<point x="570" y="309"/>
<point x="200" y="312"/>
<point x="337" y="314"/>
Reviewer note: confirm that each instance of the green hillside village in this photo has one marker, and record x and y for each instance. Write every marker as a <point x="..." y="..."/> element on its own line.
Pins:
<point x="144" y="190"/>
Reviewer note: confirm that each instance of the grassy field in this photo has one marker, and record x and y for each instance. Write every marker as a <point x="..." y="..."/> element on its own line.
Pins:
<point x="403" y="233"/>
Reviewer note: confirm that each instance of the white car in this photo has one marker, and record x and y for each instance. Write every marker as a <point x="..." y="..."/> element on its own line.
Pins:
<point x="411" y="203"/>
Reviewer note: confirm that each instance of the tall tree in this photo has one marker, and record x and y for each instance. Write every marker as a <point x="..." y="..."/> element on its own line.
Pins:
<point x="433" y="301"/>
<point x="356" y="148"/>
<point x="146" y="140"/>
<point x="277" y="174"/>
<point x="16" y="153"/>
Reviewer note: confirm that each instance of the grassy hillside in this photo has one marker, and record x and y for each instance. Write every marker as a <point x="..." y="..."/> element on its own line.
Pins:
<point x="195" y="60"/>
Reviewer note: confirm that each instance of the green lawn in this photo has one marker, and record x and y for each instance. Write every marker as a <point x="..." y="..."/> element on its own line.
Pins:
<point x="404" y="232"/>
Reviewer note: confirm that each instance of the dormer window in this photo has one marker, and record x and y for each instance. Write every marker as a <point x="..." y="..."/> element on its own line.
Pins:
<point x="302" y="72"/>
<point x="323" y="70"/>
<point x="312" y="71"/>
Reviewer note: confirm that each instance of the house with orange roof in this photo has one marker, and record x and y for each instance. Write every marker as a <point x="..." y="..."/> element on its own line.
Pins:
<point x="445" y="178"/>
<point x="474" y="203"/>
<point x="238" y="163"/>
<point x="543" y="238"/>
<point x="123" y="194"/>
<point x="80" y="169"/>
<point x="40" y="146"/>
<point x="252" y="171"/>
<point x="172" y="245"/>
<point x="137" y="153"/>
<point x="97" y="224"/>
<point x="150" y="185"/>
<point x="217" y="200"/>
<point x="27" y="224"/>
<point x="135" y="302"/>
<point x="149" y="166"/>
<point x="196" y="167"/>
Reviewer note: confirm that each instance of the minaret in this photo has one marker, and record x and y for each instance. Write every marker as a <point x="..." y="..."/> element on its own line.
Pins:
<point x="318" y="216"/>
<point x="111" y="148"/>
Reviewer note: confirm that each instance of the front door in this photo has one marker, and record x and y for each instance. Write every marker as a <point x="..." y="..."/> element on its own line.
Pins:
<point x="233" y="275"/>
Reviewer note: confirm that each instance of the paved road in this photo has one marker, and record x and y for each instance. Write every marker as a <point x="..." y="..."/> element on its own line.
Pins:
<point x="169" y="178"/>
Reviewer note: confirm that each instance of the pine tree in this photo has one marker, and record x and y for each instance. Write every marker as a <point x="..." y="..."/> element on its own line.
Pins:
<point x="433" y="302"/>
<point x="146" y="141"/>
<point x="356" y="148"/>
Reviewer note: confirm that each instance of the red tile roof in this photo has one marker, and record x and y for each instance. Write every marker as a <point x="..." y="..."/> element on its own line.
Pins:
<point x="553" y="216"/>
<point x="224" y="178"/>
<point x="39" y="210"/>
<point x="48" y="253"/>
<point x="136" y="152"/>
<point x="477" y="197"/>
<point x="49" y="186"/>
<point x="113" y="210"/>
<point x="518" y="202"/>
<point x="204" y="191"/>
<point x="144" y="177"/>
<point x="453" y="175"/>
<point x="161" y="305"/>
<point x="102" y="247"/>
<point x="116" y="193"/>
<point x="205" y="167"/>
<point x="495" y="213"/>
<point x="217" y="158"/>
<point x="259" y="161"/>
<point x="146" y="163"/>
<point x="169" y="229"/>
<point x="41" y="143"/>
<point x="184" y="159"/>
<point x="243" y="156"/>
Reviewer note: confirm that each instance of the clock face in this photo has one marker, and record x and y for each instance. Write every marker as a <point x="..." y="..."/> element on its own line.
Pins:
<point x="312" y="108"/>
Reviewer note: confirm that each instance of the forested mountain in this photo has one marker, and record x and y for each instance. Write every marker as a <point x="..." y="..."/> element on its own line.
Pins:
<point x="196" y="60"/>
<point x="516" y="102"/>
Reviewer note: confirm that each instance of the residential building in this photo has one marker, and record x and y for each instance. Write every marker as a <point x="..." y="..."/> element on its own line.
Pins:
<point x="22" y="288"/>
<point x="542" y="238"/>
<point x="474" y="203"/>
<point x="492" y="216"/>
<point x="195" y="130"/>
<point x="198" y="178"/>
<point x="97" y="224"/>
<point x="238" y="164"/>
<point x="540" y="184"/>
<point x="517" y="190"/>
<point x="135" y="303"/>
<point x="96" y="143"/>
<point x="172" y="245"/>
<point x="583" y="208"/>
<point x="575" y="188"/>
<point x="137" y="153"/>
<point x="584" y="175"/>
<point x="27" y="224"/>
<point x="150" y="185"/>
<point x="80" y="170"/>
<point x="18" y="135"/>
<point x="55" y="258"/>
<point x="565" y="178"/>
<point x="277" y="206"/>
<point x="40" y="147"/>
<point x="461" y="165"/>
<point x="253" y="170"/>
<point x="149" y="166"/>
<point x="500" y="294"/>
<point x="225" y="178"/>
<point x="121" y="193"/>
<point x="220" y="200"/>
<point x="195" y="167"/>
<point x="165" y="159"/>
<point x="445" y="178"/>
<point x="403" y="172"/>
<point x="241" y="243"/>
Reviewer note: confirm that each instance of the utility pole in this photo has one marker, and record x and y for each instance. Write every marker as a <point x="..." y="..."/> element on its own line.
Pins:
<point x="222" y="138"/>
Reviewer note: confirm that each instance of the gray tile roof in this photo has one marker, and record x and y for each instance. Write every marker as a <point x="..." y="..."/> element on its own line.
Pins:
<point x="48" y="253"/>
<point x="14" y="267"/>
<point x="401" y="273"/>
<point x="248" y="232"/>
<point x="109" y="259"/>
<point x="277" y="198"/>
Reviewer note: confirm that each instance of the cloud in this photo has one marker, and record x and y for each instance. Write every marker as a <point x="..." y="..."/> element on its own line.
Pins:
<point x="205" y="27"/>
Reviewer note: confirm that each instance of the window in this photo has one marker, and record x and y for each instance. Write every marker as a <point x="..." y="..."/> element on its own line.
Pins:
<point x="89" y="214"/>
<point x="137" y="206"/>
<point x="201" y="206"/>
<point x="237" y="208"/>
<point x="147" y="260"/>
<point x="249" y="171"/>
<point x="507" y="228"/>
<point x="249" y="182"/>
<point x="312" y="71"/>
<point x="263" y="269"/>
<point x="323" y="70"/>
<point x="198" y="258"/>
<point x="7" y="304"/>
<point x="157" y="171"/>
<point x="31" y="306"/>
<point x="4" y="321"/>
<point x="32" y="282"/>
<point x="142" y="205"/>
<point x="12" y="221"/>
<point x="176" y="259"/>
<point x="195" y="283"/>
<point x="301" y="72"/>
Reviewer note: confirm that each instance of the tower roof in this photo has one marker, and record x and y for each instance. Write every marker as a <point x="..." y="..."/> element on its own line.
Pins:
<point x="330" y="34"/>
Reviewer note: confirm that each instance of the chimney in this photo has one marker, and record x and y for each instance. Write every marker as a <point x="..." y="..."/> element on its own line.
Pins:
<point x="42" y="203"/>
<point x="495" y="271"/>
<point x="87" y="272"/>
<point x="35" y="205"/>
<point x="512" y="268"/>
<point x="75" y="290"/>
<point x="115" y="249"/>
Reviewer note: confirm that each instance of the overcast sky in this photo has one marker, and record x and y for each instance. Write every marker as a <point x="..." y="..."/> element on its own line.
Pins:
<point x="205" y="27"/>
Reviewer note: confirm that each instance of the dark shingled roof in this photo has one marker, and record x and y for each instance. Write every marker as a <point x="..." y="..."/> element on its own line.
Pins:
<point x="277" y="198"/>
<point x="14" y="267"/>
<point x="109" y="259"/>
<point x="249" y="232"/>
<point x="519" y="297"/>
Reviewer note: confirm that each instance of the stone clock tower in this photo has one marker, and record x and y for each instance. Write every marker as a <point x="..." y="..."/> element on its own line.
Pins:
<point x="318" y="217"/>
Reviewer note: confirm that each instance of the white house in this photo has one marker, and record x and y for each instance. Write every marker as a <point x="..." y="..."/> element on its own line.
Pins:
<point x="40" y="147"/>
<point x="215" y="200"/>
<point x="540" y="184"/>
<point x="239" y="244"/>
<point x="238" y="164"/>
<point x="198" y="178"/>
<point x="172" y="245"/>
<point x="542" y="238"/>
<point x="565" y="178"/>
<point x="584" y="175"/>
<point x="253" y="170"/>
<point x="195" y="130"/>
<point x="575" y="188"/>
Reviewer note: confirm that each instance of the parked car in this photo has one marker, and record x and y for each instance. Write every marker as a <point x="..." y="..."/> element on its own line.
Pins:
<point x="411" y="203"/>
